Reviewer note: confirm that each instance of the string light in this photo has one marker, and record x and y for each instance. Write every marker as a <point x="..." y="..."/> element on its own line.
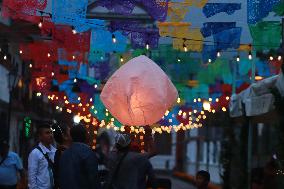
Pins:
<point x="76" y="119"/>
<point x="30" y="65"/>
<point x="73" y="57"/>
<point x="75" y="80"/>
<point x="178" y="100"/>
<point x="271" y="58"/>
<point x="279" y="57"/>
<point x="48" y="54"/>
<point x="52" y="74"/>
<point x="96" y="86"/>
<point x="73" y="30"/>
<point x="21" y="52"/>
<point x="218" y="54"/>
<point x="210" y="99"/>
<point x="79" y="98"/>
<point x="227" y="98"/>
<point x="238" y="58"/>
<point x="224" y="109"/>
<point x="209" y="60"/>
<point x="38" y="94"/>
<point x="5" y="57"/>
<point x="91" y="99"/>
<point x="121" y="58"/>
<point x="178" y="59"/>
<point x="147" y="46"/>
<point x="206" y="105"/>
<point x="199" y="99"/>
<point x="250" y="56"/>
<point x="185" y="48"/>
<point x="40" y="24"/>
<point x="113" y="38"/>
<point x="217" y="99"/>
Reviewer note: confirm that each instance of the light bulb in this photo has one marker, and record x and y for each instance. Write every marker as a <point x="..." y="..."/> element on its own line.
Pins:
<point x="5" y="57"/>
<point x="279" y="57"/>
<point x="227" y="98"/>
<point x="147" y="46"/>
<point x="75" y="80"/>
<point x="179" y="60"/>
<point x="79" y="98"/>
<point x="250" y="56"/>
<point x="113" y="38"/>
<point x="30" y="65"/>
<point x="271" y="58"/>
<point x="96" y="86"/>
<point x="40" y="24"/>
<point x="209" y="60"/>
<point x="21" y="52"/>
<point x="73" y="57"/>
<point x="74" y="31"/>
<point x="76" y="119"/>
<point x="185" y="48"/>
<point x="91" y="99"/>
<point x="218" y="54"/>
<point x="48" y="55"/>
<point x="224" y="109"/>
<point x="52" y="74"/>
<point x="238" y="58"/>
<point x="121" y="58"/>
<point x="206" y="105"/>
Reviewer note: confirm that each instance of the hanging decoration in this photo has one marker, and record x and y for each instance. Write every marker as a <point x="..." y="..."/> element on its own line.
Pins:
<point x="259" y="9"/>
<point x="139" y="35"/>
<point x="23" y="10"/>
<point x="211" y="9"/>
<point x="228" y="39"/>
<point x="211" y="28"/>
<point x="156" y="9"/>
<point x="262" y="32"/>
<point x="73" y="13"/>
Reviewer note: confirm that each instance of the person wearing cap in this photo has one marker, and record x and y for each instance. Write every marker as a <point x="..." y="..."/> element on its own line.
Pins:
<point x="10" y="167"/>
<point x="129" y="170"/>
<point x="41" y="160"/>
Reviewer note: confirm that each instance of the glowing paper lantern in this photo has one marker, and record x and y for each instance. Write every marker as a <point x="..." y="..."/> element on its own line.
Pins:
<point x="139" y="93"/>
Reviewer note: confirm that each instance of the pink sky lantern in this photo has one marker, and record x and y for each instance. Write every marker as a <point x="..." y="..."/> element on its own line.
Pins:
<point x="139" y="93"/>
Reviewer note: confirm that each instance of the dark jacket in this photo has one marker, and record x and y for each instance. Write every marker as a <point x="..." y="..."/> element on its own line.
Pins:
<point x="133" y="171"/>
<point x="79" y="168"/>
<point x="57" y="157"/>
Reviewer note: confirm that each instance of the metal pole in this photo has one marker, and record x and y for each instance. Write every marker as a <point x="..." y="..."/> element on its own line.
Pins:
<point x="250" y="129"/>
<point x="235" y="66"/>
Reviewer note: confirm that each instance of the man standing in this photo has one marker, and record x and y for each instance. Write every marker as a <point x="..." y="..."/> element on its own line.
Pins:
<point x="10" y="166"/>
<point x="78" y="167"/>
<point x="40" y="162"/>
<point x="202" y="179"/>
<point x="129" y="170"/>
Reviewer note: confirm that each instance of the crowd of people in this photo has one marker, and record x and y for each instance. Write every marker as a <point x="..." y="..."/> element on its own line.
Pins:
<point x="73" y="164"/>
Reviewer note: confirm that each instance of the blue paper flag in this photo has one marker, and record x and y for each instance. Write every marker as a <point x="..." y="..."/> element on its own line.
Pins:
<point x="210" y="9"/>
<point x="210" y="28"/>
<point x="259" y="9"/>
